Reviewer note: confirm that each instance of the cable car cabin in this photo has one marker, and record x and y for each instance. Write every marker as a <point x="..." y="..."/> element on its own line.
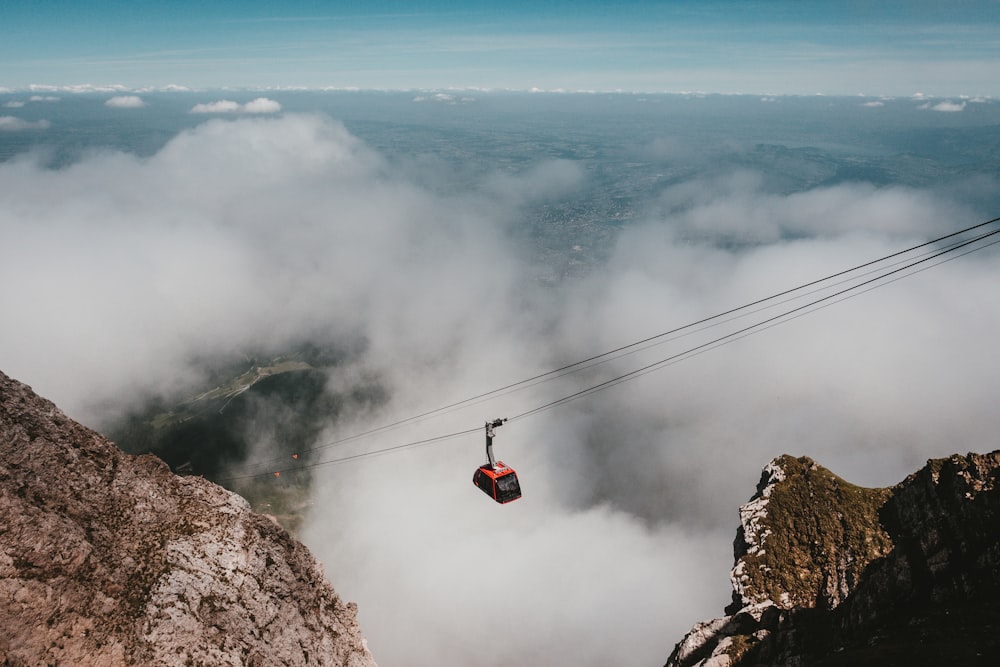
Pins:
<point x="498" y="483"/>
<point x="496" y="480"/>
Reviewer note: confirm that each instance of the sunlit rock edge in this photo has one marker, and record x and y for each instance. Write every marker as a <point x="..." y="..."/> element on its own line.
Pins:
<point x="835" y="574"/>
<point x="111" y="559"/>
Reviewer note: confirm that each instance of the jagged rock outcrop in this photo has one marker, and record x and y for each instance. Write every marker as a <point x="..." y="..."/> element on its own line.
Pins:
<point x="828" y="573"/>
<point x="110" y="559"/>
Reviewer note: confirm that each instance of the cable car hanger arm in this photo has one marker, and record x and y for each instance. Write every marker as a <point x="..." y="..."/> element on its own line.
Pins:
<point x="496" y="423"/>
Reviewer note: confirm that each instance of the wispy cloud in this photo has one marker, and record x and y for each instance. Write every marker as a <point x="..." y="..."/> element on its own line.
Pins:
<point x="126" y="102"/>
<point x="72" y="88"/>
<point x="444" y="98"/>
<point x="947" y="107"/>
<point x="15" y="124"/>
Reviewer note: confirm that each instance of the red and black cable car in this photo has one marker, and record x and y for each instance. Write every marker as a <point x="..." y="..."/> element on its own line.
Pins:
<point x="496" y="480"/>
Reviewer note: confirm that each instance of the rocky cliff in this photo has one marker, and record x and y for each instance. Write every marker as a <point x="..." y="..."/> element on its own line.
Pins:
<point x="110" y="559"/>
<point x="828" y="573"/>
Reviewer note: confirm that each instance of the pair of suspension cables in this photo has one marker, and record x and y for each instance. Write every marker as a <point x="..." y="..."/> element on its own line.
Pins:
<point x="822" y="292"/>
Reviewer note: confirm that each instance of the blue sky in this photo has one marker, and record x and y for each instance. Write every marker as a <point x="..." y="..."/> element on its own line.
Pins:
<point x="885" y="48"/>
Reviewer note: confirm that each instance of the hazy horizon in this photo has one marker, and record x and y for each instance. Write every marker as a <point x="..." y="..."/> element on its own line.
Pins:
<point x="893" y="48"/>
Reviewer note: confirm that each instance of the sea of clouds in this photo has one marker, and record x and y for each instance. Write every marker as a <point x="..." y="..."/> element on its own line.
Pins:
<point x="121" y="274"/>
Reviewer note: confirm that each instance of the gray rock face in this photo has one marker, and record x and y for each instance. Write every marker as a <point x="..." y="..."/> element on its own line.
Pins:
<point x="110" y="559"/>
<point x="833" y="574"/>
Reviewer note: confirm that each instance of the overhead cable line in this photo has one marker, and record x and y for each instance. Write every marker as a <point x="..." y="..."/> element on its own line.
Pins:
<point x="351" y="457"/>
<point x="741" y="333"/>
<point x="762" y="308"/>
<point x="557" y="372"/>
<point x="873" y="287"/>
<point x="588" y="362"/>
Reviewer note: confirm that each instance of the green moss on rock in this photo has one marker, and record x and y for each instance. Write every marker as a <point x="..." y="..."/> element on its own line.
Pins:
<point x="817" y="534"/>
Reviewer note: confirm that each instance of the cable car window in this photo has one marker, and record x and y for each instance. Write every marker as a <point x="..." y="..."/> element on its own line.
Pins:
<point x="507" y="484"/>
<point x="484" y="482"/>
<point x="507" y="488"/>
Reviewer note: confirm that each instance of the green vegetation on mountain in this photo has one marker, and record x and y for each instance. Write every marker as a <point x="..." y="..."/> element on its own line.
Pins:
<point x="816" y="517"/>
<point x="258" y="415"/>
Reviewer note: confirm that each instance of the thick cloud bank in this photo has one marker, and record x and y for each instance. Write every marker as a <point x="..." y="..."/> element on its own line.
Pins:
<point x="122" y="273"/>
<point x="249" y="234"/>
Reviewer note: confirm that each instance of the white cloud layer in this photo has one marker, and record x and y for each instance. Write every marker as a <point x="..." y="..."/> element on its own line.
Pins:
<point x="260" y="105"/>
<point x="222" y="106"/>
<point x="263" y="232"/>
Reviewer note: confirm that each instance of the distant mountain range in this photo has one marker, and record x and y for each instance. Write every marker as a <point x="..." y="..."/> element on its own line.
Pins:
<point x="258" y="415"/>
<point x="828" y="573"/>
<point x="203" y="433"/>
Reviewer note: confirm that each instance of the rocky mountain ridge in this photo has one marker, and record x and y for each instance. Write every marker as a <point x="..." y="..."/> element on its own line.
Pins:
<point x="111" y="559"/>
<point x="828" y="573"/>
